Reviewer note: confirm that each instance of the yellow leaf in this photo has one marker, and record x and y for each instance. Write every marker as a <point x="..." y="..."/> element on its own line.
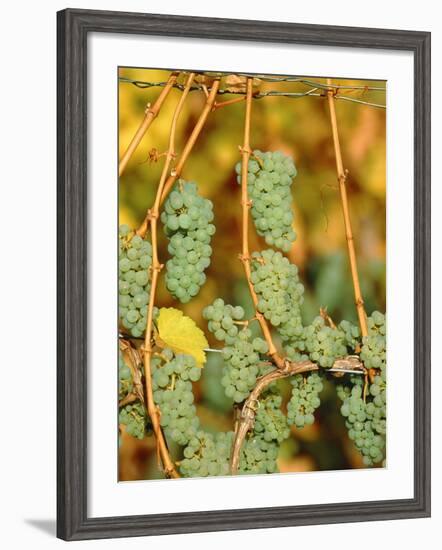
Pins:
<point x="181" y="334"/>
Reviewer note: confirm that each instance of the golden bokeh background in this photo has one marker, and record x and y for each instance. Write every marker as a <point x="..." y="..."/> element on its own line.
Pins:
<point x="301" y="128"/>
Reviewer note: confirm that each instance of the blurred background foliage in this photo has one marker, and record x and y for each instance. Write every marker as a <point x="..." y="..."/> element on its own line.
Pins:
<point x="301" y="128"/>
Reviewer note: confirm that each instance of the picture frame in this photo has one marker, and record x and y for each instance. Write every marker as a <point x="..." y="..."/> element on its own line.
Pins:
<point x="73" y="28"/>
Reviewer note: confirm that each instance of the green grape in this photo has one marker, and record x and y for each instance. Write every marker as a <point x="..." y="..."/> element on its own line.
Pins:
<point x="135" y="260"/>
<point x="187" y="223"/>
<point x="258" y="456"/>
<point x="222" y="318"/>
<point x="134" y="417"/>
<point x="125" y="382"/>
<point x="373" y="352"/>
<point x="241" y="353"/>
<point x="319" y="343"/>
<point x="207" y="455"/>
<point x="351" y="333"/>
<point x="173" y="393"/>
<point x="269" y="179"/>
<point x="305" y="399"/>
<point x="280" y="294"/>
<point x="366" y="418"/>
<point x="270" y="421"/>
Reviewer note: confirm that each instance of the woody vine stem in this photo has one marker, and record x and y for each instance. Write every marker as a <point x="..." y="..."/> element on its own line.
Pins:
<point x="153" y="214"/>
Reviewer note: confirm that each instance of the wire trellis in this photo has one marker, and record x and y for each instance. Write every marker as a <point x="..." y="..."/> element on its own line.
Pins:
<point x="316" y="89"/>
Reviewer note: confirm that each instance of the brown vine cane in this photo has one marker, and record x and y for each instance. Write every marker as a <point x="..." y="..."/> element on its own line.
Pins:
<point x="153" y="410"/>
<point x="248" y="411"/>
<point x="150" y="114"/>
<point x="342" y="177"/>
<point x="175" y="174"/>
<point x="246" y="204"/>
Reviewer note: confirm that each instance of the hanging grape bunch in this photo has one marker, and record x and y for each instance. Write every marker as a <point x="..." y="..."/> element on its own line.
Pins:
<point x="269" y="178"/>
<point x="135" y="259"/>
<point x="255" y="352"/>
<point x="186" y="218"/>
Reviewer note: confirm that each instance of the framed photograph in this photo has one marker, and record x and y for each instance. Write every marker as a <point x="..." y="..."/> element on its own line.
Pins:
<point x="243" y="274"/>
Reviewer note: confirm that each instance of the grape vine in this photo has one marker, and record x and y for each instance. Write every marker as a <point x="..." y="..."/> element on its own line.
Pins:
<point x="156" y="393"/>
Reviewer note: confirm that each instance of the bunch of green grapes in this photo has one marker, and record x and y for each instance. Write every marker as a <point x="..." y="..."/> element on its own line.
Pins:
<point x="319" y="343"/>
<point x="258" y="456"/>
<point x="186" y="218"/>
<point x="280" y="294"/>
<point x="269" y="181"/>
<point x="173" y="393"/>
<point x="242" y="365"/>
<point x="351" y="332"/>
<point x="373" y="350"/>
<point x="366" y="417"/>
<point x="365" y="420"/>
<point x="125" y="382"/>
<point x="241" y="353"/>
<point x="135" y="259"/>
<point x="270" y="421"/>
<point x="134" y="417"/>
<point x="305" y="399"/>
<point x="377" y="407"/>
<point x="222" y="320"/>
<point x="207" y="455"/>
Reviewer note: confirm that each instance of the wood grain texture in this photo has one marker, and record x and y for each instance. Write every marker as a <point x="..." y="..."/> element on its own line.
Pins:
<point x="72" y="29"/>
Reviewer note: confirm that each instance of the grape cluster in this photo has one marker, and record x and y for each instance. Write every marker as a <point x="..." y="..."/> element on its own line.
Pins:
<point x="305" y="399"/>
<point x="270" y="421"/>
<point x="269" y="181"/>
<point x="374" y="345"/>
<point x="135" y="259"/>
<point x="125" y="382"/>
<point x="377" y="408"/>
<point x="258" y="456"/>
<point x="207" y="455"/>
<point x="134" y="417"/>
<point x="351" y="334"/>
<point x="365" y="419"/>
<point x="241" y="353"/>
<point x="242" y="365"/>
<point x="319" y="343"/>
<point x="173" y="393"/>
<point x="221" y="319"/>
<point x="280" y="294"/>
<point x="186" y="218"/>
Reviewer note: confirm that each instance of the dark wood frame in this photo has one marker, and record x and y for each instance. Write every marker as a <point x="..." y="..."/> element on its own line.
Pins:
<point x="73" y="28"/>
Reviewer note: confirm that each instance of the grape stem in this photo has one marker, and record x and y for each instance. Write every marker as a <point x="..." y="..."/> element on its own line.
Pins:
<point x="324" y="314"/>
<point x="154" y="412"/>
<point x="248" y="412"/>
<point x="246" y="204"/>
<point x="342" y="178"/>
<point x="176" y="172"/>
<point x="150" y="114"/>
<point x="130" y="398"/>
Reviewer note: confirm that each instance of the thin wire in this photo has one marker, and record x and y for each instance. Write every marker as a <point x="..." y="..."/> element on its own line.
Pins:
<point x="309" y="82"/>
<point x="272" y="93"/>
<point x="354" y="100"/>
